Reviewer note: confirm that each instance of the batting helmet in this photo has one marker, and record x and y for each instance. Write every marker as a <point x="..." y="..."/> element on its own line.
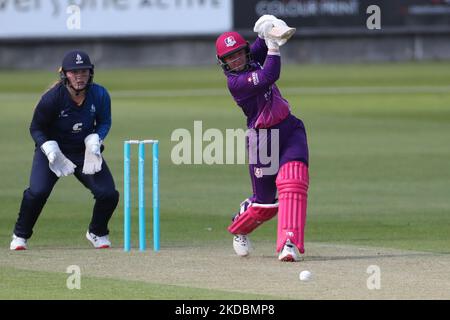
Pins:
<point x="227" y="44"/>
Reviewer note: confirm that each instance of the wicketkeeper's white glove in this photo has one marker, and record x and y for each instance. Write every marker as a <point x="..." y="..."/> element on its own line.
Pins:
<point x="92" y="156"/>
<point x="264" y="24"/>
<point x="57" y="161"/>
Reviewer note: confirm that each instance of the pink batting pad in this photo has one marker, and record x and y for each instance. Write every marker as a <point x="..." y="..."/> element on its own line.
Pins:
<point x="292" y="184"/>
<point x="253" y="217"/>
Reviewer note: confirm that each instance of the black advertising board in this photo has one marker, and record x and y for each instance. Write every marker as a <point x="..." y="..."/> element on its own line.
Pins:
<point x="317" y="14"/>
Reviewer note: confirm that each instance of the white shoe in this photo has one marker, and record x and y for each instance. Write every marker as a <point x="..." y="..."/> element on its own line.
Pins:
<point x="18" y="243"/>
<point x="242" y="245"/>
<point x="98" y="242"/>
<point x="290" y="253"/>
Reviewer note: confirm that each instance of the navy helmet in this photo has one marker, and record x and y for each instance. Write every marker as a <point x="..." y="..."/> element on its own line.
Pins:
<point x="76" y="60"/>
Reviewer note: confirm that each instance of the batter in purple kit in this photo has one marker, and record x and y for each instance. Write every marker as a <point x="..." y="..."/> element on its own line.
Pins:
<point x="251" y="73"/>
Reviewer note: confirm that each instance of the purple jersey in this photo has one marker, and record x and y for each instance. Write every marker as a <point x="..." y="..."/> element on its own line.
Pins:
<point x="254" y="90"/>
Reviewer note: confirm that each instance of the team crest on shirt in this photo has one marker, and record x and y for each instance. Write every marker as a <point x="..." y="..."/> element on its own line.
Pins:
<point x="92" y="109"/>
<point x="229" y="41"/>
<point x="258" y="172"/>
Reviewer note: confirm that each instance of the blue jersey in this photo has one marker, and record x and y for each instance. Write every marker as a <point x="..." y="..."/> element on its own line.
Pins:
<point x="57" y="117"/>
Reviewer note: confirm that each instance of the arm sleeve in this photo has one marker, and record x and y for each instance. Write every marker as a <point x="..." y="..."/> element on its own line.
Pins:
<point x="258" y="50"/>
<point x="43" y="116"/>
<point x="103" y="117"/>
<point x="254" y="82"/>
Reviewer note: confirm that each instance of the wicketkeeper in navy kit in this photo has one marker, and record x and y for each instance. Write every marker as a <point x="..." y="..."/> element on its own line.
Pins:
<point x="69" y="125"/>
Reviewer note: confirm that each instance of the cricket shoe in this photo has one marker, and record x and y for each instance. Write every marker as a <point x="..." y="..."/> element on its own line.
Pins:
<point x="242" y="245"/>
<point x="18" y="243"/>
<point x="98" y="242"/>
<point x="290" y="253"/>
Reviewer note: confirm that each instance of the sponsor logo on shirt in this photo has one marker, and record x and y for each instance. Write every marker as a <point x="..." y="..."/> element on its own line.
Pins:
<point x="77" y="127"/>
<point x="255" y="78"/>
<point x="268" y="94"/>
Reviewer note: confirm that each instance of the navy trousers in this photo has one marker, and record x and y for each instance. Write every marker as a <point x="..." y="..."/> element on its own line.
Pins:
<point x="42" y="181"/>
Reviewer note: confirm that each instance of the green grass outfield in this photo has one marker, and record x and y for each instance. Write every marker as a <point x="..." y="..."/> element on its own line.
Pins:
<point x="30" y="285"/>
<point x="379" y="153"/>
